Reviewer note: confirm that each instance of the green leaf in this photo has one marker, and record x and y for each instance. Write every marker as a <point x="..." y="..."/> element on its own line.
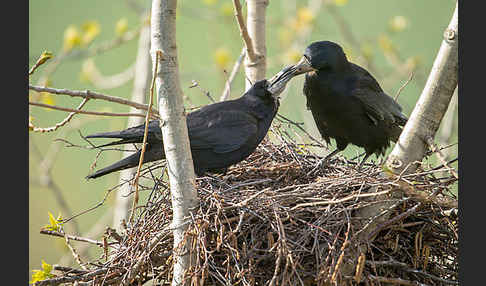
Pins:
<point x="45" y="273"/>
<point x="54" y="224"/>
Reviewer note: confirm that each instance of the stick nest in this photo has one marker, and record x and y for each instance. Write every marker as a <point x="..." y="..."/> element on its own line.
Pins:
<point x="279" y="218"/>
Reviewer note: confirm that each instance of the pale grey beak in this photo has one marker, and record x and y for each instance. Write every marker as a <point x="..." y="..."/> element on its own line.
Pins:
<point x="278" y="82"/>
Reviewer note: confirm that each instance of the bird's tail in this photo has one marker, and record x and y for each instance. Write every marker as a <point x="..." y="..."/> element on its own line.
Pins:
<point x="128" y="162"/>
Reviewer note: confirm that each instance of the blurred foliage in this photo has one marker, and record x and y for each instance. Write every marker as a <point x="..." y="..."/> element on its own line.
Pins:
<point x="395" y="37"/>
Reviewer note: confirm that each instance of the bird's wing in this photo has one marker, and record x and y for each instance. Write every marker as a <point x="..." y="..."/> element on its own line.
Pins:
<point x="222" y="131"/>
<point x="378" y="105"/>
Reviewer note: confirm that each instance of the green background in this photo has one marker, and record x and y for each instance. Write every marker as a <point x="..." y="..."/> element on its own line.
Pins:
<point x="201" y="30"/>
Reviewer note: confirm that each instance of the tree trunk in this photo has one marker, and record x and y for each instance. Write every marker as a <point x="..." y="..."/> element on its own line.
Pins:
<point x="256" y="69"/>
<point x="141" y="84"/>
<point x="174" y="130"/>
<point x="431" y="106"/>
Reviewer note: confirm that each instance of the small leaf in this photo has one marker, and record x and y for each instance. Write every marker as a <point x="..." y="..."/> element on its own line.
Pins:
<point x="44" y="57"/>
<point x="54" y="224"/>
<point x="340" y="2"/>
<point x="45" y="273"/>
<point x="91" y="29"/>
<point x="72" y="38"/>
<point x="31" y="123"/>
<point x="121" y="26"/>
<point x="398" y="23"/>
<point x="222" y="57"/>
<point x="305" y="15"/>
<point x="226" y="9"/>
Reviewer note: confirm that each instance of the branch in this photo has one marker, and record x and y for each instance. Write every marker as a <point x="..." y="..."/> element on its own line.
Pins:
<point x="63" y="122"/>
<point x="158" y="56"/>
<point x="72" y="237"/>
<point x="250" y="51"/>
<point x="91" y="95"/>
<point x="234" y="71"/>
<point x="74" y="111"/>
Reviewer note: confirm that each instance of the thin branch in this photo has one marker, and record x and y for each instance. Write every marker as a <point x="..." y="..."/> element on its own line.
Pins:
<point x="91" y="95"/>
<point x="74" y="111"/>
<point x="72" y="237"/>
<point x="403" y="86"/>
<point x="234" y="71"/>
<point x="42" y="59"/>
<point x="63" y="122"/>
<point x="158" y="56"/>
<point x="250" y="51"/>
<point x="430" y="142"/>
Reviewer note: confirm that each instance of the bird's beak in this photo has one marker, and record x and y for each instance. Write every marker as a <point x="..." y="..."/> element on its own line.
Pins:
<point x="278" y="82"/>
<point x="302" y="66"/>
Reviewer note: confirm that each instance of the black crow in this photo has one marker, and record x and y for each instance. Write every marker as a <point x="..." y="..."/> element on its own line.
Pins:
<point x="346" y="101"/>
<point x="220" y="134"/>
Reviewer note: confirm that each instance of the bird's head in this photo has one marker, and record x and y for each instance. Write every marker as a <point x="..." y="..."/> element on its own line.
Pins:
<point x="260" y="90"/>
<point x="319" y="56"/>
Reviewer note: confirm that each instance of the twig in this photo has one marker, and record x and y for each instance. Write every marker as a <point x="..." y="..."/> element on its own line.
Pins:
<point x="70" y="279"/>
<point x="404" y="85"/>
<point x="430" y="142"/>
<point x="75" y="111"/>
<point x="91" y="95"/>
<point x="63" y="122"/>
<point x="72" y="237"/>
<point x="41" y="60"/>
<point x="250" y="51"/>
<point x="158" y="56"/>
<point x="234" y="71"/>
<point x="329" y="202"/>
<point x="395" y="281"/>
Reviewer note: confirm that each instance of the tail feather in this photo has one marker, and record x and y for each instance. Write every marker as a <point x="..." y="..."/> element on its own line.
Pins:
<point x="128" y="162"/>
<point x="153" y="152"/>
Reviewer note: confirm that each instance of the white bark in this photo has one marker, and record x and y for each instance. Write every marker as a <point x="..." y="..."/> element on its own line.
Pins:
<point x="141" y="83"/>
<point x="174" y="131"/>
<point x="431" y="106"/>
<point x="255" y="70"/>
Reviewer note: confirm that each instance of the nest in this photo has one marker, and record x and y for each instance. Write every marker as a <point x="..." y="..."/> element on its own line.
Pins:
<point x="281" y="218"/>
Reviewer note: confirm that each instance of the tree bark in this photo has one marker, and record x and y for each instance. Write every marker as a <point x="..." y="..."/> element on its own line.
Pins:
<point x="174" y="130"/>
<point x="431" y="106"/>
<point x="256" y="69"/>
<point x="141" y="83"/>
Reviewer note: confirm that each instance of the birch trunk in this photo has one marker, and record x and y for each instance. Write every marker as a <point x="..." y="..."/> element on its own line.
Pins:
<point x="255" y="69"/>
<point x="174" y="130"/>
<point x="431" y="106"/>
<point x="141" y="84"/>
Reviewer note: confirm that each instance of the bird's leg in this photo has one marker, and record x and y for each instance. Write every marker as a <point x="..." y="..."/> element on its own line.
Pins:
<point x="320" y="164"/>
<point x="362" y="161"/>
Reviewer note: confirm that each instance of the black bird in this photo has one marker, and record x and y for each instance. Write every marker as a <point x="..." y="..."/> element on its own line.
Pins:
<point x="220" y="134"/>
<point x="346" y="101"/>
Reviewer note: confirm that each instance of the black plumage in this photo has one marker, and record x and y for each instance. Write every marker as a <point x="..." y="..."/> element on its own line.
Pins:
<point x="220" y="134"/>
<point x="346" y="101"/>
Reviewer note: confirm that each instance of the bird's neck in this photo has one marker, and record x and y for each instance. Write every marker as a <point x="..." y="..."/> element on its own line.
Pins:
<point x="261" y="108"/>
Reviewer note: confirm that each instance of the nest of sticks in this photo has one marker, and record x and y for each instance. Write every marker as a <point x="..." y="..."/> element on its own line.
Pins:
<point x="279" y="218"/>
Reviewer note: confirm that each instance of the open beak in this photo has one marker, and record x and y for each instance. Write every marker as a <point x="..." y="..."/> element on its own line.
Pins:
<point x="278" y="82"/>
